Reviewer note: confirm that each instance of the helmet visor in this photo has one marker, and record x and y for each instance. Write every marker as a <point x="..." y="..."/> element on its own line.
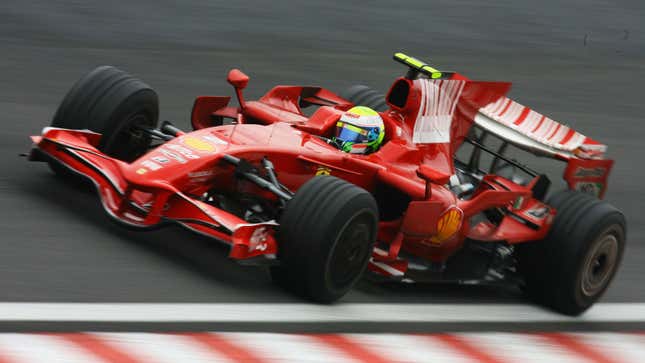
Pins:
<point x="346" y="132"/>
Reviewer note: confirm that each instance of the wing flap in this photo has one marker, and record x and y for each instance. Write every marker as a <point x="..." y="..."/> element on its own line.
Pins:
<point x="537" y="131"/>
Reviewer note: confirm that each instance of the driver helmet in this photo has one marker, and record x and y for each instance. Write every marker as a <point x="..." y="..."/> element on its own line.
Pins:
<point x="360" y="130"/>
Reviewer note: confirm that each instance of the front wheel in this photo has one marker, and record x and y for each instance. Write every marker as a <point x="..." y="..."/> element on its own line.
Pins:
<point x="571" y="269"/>
<point x="116" y="105"/>
<point x="326" y="236"/>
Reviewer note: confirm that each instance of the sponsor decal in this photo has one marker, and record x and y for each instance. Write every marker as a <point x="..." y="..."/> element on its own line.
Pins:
<point x="589" y="172"/>
<point x="161" y="159"/>
<point x="172" y="155"/>
<point x="439" y="99"/>
<point x="200" y="176"/>
<point x="142" y="171"/>
<point x="519" y="202"/>
<point x="258" y="240"/>
<point x="538" y="212"/>
<point x="197" y="174"/>
<point x="214" y="140"/>
<point x="447" y="225"/>
<point x="198" y="144"/>
<point x="590" y="188"/>
<point x="183" y="151"/>
<point x="151" y="165"/>
<point x="323" y="171"/>
<point x="358" y="149"/>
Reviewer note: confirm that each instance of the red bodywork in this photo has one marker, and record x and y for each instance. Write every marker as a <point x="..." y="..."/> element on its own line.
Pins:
<point x="166" y="184"/>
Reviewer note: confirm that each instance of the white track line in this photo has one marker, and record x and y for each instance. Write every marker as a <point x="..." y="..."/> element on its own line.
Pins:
<point x="280" y="313"/>
<point x="310" y="313"/>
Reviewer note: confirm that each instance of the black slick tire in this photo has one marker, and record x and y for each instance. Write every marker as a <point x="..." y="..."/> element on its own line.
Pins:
<point x="572" y="267"/>
<point x="326" y="236"/>
<point x="113" y="103"/>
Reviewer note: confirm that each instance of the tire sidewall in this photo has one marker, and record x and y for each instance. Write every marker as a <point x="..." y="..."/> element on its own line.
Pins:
<point x="614" y="224"/>
<point x="334" y="244"/>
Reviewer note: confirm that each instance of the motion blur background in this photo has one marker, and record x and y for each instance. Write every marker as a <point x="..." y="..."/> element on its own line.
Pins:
<point x="582" y="62"/>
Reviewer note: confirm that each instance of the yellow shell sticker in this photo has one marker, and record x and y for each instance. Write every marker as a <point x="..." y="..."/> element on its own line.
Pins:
<point x="198" y="144"/>
<point x="142" y="171"/>
<point x="323" y="171"/>
<point x="447" y="225"/>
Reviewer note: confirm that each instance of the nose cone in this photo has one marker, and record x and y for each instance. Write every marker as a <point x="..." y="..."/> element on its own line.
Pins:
<point x="179" y="158"/>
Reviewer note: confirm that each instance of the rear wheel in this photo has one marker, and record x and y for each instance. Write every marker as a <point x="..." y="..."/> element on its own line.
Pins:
<point x="115" y="104"/>
<point x="365" y="96"/>
<point x="326" y="237"/>
<point x="571" y="269"/>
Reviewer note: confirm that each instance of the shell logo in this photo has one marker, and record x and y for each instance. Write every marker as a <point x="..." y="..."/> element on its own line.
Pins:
<point x="448" y="224"/>
<point x="323" y="171"/>
<point x="198" y="144"/>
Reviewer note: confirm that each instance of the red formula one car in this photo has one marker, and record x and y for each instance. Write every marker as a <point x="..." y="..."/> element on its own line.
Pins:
<point x="438" y="199"/>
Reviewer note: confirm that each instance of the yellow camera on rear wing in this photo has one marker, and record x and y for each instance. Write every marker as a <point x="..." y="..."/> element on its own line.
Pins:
<point x="416" y="66"/>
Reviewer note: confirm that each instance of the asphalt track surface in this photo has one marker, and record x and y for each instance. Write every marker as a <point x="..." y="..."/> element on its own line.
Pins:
<point x="581" y="62"/>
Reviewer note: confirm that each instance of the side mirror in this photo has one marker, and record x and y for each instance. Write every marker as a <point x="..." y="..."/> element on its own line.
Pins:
<point x="237" y="79"/>
<point x="430" y="175"/>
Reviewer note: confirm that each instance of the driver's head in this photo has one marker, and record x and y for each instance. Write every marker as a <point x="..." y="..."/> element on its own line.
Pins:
<point x="359" y="131"/>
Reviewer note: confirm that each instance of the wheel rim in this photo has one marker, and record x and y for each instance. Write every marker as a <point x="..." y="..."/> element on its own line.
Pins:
<point x="130" y="142"/>
<point x="350" y="252"/>
<point x="599" y="265"/>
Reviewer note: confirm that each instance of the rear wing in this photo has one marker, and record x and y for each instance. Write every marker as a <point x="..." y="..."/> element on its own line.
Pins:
<point x="587" y="168"/>
<point x="534" y="131"/>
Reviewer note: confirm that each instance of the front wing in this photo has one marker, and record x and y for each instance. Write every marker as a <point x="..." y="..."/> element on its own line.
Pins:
<point x="145" y="203"/>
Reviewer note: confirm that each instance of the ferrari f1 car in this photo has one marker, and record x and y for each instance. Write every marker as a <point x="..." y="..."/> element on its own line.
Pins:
<point x="440" y="201"/>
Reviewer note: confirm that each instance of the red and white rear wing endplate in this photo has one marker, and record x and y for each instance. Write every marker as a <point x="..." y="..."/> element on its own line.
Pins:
<point x="529" y="129"/>
<point x="587" y="168"/>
